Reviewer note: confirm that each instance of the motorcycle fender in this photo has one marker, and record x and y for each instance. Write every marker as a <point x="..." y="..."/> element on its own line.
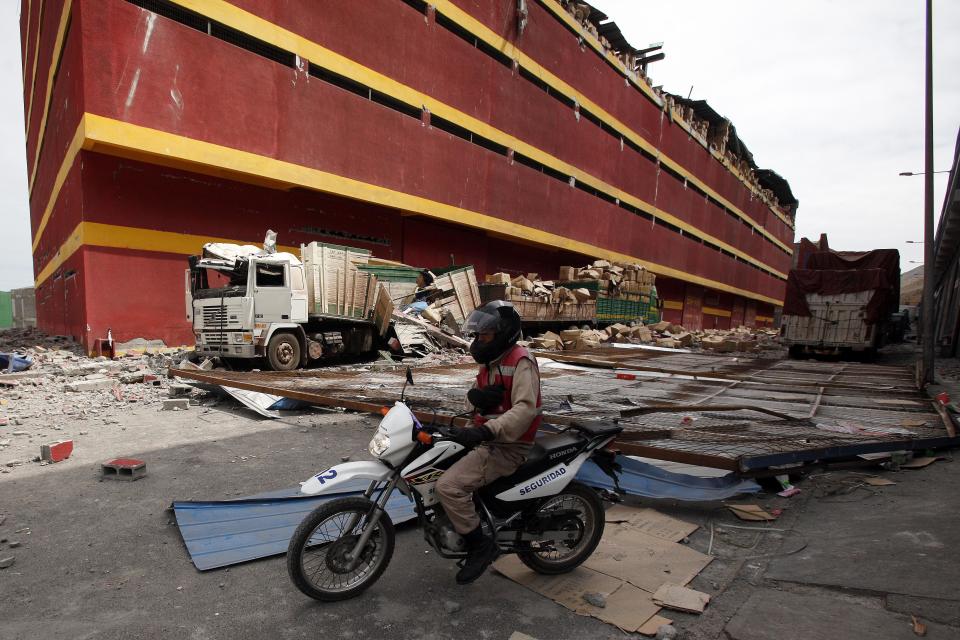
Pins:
<point x="334" y="478"/>
<point x="546" y="483"/>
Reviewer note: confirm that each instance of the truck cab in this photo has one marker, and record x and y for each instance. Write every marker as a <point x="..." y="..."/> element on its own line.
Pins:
<point x="237" y="305"/>
<point x="245" y="303"/>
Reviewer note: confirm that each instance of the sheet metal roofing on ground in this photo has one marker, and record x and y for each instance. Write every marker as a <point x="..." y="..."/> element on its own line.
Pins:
<point x="663" y="400"/>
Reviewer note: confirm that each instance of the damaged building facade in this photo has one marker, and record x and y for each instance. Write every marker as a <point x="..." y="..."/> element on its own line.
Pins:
<point x="516" y="137"/>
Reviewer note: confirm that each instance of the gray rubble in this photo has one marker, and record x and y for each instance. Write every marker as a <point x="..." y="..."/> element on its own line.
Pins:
<point x="66" y="394"/>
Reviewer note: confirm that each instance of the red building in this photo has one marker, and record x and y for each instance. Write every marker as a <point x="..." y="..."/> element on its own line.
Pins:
<point x="414" y="131"/>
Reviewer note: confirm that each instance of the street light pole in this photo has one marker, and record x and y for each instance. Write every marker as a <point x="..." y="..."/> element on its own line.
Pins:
<point x="928" y="322"/>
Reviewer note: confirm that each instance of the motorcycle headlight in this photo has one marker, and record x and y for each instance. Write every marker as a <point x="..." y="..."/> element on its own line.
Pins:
<point x="379" y="445"/>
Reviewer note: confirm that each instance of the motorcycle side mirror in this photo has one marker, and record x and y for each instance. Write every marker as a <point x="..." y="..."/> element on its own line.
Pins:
<point x="409" y="380"/>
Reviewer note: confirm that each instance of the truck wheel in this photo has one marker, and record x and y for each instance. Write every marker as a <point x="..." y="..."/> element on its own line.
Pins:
<point x="283" y="352"/>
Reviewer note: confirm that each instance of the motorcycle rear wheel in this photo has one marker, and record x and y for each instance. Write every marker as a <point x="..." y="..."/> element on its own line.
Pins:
<point x="549" y="557"/>
<point x="316" y="556"/>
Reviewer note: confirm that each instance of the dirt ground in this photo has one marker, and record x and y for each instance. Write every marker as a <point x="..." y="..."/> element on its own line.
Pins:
<point x="104" y="559"/>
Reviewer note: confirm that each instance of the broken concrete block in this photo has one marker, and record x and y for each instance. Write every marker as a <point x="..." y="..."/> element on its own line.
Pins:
<point x="667" y="342"/>
<point x="89" y="385"/>
<point x="179" y="390"/>
<point x="131" y="378"/>
<point x="128" y="469"/>
<point x="176" y="404"/>
<point x="663" y="325"/>
<point x="684" y="339"/>
<point x="56" y="451"/>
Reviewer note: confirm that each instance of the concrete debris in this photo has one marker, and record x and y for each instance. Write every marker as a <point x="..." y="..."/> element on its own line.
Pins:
<point x="450" y="606"/>
<point x="660" y="334"/>
<point x="176" y="404"/>
<point x="596" y="599"/>
<point x="597" y="292"/>
<point x="65" y="388"/>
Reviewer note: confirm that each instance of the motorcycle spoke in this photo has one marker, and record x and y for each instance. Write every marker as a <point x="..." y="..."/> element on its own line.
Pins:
<point x="315" y="556"/>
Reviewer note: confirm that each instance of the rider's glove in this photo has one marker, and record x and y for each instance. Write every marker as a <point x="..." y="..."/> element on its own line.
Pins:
<point x="471" y="436"/>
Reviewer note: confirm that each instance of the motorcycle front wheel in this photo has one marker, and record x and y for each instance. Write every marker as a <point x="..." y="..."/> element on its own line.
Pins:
<point x="552" y="557"/>
<point x="317" y="557"/>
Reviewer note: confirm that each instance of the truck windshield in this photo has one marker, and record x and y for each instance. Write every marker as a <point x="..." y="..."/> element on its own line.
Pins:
<point x="220" y="282"/>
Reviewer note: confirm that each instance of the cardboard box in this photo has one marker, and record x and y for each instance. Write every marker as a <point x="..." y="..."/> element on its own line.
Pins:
<point x="568" y="273"/>
<point x="498" y="278"/>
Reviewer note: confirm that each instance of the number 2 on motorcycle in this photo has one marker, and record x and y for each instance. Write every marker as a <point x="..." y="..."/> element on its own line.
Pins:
<point x="329" y="474"/>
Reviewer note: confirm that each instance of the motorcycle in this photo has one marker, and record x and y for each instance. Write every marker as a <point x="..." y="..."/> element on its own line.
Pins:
<point x="539" y="512"/>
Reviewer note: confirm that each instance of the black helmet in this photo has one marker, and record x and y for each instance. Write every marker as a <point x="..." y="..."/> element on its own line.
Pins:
<point x="503" y="320"/>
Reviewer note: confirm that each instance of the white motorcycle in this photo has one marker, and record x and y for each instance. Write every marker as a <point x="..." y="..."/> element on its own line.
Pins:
<point x="551" y="522"/>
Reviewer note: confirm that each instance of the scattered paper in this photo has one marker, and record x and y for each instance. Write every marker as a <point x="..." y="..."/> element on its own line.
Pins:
<point x="638" y="554"/>
<point x="644" y="560"/>
<point x="651" y="522"/>
<point x="919" y="463"/>
<point x="879" y="482"/>
<point x="651" y="626"/>
<point x="673" y="596"/>
<point x="751" y="512"/>
<point x="627" y="607"/>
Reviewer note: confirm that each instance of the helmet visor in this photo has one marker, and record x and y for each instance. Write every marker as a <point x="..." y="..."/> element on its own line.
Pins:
<point x="480" y="321"/>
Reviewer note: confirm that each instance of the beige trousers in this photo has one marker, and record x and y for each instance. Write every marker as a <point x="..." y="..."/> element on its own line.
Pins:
<point x="478" y="468"/>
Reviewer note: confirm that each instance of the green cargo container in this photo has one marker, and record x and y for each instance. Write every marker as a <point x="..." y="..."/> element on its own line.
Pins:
<point x="6" y="310"/>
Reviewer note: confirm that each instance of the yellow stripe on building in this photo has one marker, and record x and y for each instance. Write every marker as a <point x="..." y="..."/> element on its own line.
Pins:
<point x="271" y="33"/>
<point x="640" y="83"/>
<point x="123" y="139"/>
<point x="673" y="304"/>
<point x="713" y="311"/>
<point x="54" y="63"/>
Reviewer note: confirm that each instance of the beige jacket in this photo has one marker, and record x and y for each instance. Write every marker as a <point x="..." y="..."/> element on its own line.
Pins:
<point x="510" y="426"/>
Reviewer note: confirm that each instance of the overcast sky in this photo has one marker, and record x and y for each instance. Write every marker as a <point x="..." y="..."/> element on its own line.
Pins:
<point x="827" y="93"/>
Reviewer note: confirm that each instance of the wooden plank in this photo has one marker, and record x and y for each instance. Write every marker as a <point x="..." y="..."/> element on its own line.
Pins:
<point x="947" y="420"/>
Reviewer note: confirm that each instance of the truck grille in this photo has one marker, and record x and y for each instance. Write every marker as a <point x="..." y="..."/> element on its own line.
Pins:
<point x="214" y="316"/>
<point x="214" y="338"/>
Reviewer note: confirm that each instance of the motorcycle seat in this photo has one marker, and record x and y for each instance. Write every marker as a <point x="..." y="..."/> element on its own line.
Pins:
<point x="596" y="428"/>
<point x="546" y="445"/>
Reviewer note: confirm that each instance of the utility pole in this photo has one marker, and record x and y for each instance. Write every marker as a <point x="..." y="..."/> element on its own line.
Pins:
<point x="929" y="336"/>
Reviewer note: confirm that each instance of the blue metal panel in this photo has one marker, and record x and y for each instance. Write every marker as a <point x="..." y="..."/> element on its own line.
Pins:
<point x="642" y="479"/>
<point x="218" y="534"/>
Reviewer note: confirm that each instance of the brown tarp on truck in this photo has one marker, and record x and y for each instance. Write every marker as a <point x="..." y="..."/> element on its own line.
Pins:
<point x="834" y="272"/>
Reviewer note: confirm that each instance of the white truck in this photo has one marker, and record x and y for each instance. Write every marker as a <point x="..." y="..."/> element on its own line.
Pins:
<point x="245" y="302"/>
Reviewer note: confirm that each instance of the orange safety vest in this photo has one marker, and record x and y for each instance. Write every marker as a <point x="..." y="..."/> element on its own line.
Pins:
<point x="504" y="375"/>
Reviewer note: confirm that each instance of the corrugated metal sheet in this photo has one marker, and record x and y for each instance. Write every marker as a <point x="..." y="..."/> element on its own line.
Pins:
<point x="222" y="533"/>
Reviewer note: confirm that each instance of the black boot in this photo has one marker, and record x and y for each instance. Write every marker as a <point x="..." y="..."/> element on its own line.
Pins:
<point x="481" y="551"/>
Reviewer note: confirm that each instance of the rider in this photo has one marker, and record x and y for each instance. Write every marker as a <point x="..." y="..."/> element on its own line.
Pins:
<point x="506" y="396"/>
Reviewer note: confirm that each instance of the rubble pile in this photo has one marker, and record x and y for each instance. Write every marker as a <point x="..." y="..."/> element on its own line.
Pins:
<point x="578" y="285"/>
<point x="660" y="334"/>
<point x="63" y="387"/>
<point x="719" y="137"/>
